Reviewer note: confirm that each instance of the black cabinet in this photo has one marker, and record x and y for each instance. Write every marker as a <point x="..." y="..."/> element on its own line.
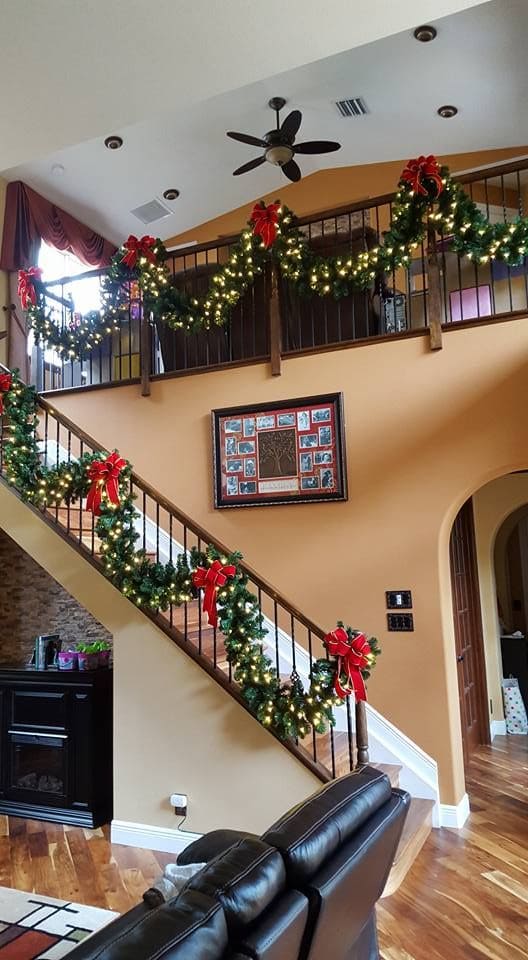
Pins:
<point x="56" y="745"/>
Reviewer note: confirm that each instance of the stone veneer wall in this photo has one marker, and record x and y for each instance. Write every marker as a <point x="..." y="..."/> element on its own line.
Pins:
<point x="33" y="603"/>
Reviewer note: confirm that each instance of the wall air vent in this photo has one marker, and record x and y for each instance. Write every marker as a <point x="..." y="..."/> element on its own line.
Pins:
<point x="153" y="210"/>
<point x="354" y="107"/>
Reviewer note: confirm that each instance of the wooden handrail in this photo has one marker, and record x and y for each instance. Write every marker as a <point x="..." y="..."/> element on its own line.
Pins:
<point x="185" y="520"/>
<point x="495" y="170"/>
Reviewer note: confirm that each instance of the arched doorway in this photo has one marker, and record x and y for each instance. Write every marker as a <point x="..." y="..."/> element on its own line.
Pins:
<point x="471" y="667"/>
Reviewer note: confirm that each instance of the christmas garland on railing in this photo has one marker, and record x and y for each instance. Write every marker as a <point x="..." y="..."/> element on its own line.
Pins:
<point x="104" y="479"/>
<point x="426" y="194"/>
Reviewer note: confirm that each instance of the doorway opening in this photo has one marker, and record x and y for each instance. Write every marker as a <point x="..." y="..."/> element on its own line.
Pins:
<point x="511" y="577"/>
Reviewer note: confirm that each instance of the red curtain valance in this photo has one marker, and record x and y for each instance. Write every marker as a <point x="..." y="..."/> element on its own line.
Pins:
<point x="30" y="218"/>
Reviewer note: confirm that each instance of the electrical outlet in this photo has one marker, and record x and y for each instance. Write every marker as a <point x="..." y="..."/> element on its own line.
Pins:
<point x="179" y="802"/>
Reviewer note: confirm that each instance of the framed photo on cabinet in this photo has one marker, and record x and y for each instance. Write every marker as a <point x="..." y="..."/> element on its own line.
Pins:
<point x="290" y="451"/>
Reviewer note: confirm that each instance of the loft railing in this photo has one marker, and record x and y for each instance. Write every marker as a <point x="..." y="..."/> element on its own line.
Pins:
<point x="438" y="288"/>
<point x="293" y="641"/>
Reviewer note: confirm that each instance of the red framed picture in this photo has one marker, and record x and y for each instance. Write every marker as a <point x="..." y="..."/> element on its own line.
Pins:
<point x="292" y="451"/>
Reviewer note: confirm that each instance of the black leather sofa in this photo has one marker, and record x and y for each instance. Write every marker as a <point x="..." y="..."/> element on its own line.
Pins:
<point x="305" y="890"/>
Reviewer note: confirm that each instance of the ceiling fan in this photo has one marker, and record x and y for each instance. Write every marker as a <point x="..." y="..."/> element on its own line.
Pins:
<point x="279" y="144"/>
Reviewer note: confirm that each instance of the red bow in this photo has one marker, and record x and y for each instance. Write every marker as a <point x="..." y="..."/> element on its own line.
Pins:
<point x="104" y="475"/>
<point x="26" y="286"/>
<point x="5" y="385"/>
<point x="138" y="248"/>
<point x="351" y="660"/>
<point x="423" y="168"/>
<point x="265" y="220"/>
<point x="209" y="579"/>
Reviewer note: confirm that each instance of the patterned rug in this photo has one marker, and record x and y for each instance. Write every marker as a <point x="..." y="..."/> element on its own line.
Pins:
<point x="33" y="927"/>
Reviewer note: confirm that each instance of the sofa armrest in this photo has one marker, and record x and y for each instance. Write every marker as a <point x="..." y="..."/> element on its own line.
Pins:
<point x="211" y="845"/>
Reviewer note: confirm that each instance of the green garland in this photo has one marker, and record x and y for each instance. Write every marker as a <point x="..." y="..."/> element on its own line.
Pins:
<point x="284" y="707"/>
<point x="453" y="212"/>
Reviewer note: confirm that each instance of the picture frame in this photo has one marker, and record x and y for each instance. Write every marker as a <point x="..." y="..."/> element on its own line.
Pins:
<point x="287" y="451"/>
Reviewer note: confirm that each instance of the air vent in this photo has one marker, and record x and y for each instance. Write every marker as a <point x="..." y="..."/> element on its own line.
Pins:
<point x="153" y="210"/>
<point x="354" y="107"/>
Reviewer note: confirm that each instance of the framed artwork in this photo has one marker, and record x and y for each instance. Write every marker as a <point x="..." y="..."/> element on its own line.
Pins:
<point x="290" y="451"/>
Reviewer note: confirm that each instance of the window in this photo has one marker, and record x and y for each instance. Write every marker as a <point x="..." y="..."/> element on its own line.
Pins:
<point x="73" y="299"/>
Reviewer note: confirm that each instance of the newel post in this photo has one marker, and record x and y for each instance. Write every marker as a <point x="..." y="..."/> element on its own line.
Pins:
<point x="434" y="300"/>
<point x="145" y="353"/>
<point x="361" y="733"/>
<point x="274" y="320"/>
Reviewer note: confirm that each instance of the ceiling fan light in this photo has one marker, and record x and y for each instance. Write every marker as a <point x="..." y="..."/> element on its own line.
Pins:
<point x="279" y="154"/>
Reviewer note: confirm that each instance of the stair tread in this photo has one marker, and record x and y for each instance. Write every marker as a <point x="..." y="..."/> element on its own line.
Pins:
<point x="417" y="827"/>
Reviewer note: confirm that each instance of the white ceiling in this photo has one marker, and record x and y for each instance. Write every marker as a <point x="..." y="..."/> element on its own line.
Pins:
<point x="477" y="62"/>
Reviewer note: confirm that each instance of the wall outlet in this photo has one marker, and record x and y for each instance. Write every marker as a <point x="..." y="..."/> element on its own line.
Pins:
<point x="179" y="802"/>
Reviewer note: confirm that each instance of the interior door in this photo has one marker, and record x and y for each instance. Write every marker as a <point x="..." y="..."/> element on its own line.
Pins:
<point x="472" y="688"/>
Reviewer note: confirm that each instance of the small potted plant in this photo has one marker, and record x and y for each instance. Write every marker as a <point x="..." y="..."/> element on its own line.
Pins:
<point x="88" y="656"/>
<point x="103" y="649"/>
<point x="67" y="659"/>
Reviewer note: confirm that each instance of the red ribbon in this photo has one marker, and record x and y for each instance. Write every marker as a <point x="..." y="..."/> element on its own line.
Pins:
<point x="209" y="579"/>
<point x="138" y="248"/>
<point x="351" y="660"/>
<point x="423" y="168"/>
<point x="265" y="220"/>
<point x="26" y="286"/>
<point x="5" y="384"/>
<point x="104" y="475"/>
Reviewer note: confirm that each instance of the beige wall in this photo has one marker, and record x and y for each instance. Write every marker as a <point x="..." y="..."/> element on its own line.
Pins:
<point x="175" y="729"/>
<point x="493" y="504"/>
<point x="334" y="187"/>
<point x="424" y="431"/>
<point x="4" y="284"/>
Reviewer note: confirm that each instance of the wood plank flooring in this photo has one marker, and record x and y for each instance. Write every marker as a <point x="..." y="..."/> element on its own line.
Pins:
<point x="465" y="898"/>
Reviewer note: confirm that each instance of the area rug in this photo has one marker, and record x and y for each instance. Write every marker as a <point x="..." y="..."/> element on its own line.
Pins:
<point x="33" y="927"/>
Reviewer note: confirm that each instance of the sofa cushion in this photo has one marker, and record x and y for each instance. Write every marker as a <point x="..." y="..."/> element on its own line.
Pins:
<point x="279" y="933"/>
<point x="211" y="845"/>
<point x="245" y="880"/>
<point x="190" y="927"/>
<point x="316" y="828"/>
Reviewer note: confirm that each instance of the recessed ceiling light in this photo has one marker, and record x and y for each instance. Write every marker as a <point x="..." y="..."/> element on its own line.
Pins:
<point x="113" y="142"/>
<point x="171" y="194"/>
<point x="425" y="33"/>
<point x="57" y="169"/>
<point x="447" y="111"/>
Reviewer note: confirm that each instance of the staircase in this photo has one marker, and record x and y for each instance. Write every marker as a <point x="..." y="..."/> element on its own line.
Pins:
<point x="292" y="642"/>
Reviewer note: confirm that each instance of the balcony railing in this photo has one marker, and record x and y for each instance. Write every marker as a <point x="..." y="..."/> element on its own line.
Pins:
<point x="437" y="288"/>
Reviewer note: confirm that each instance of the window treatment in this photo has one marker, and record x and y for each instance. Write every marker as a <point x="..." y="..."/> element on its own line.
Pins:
<point x="30" y="218"/>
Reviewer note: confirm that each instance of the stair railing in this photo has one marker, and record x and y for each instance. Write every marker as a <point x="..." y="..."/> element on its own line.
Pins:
<point x="293" y="641"/>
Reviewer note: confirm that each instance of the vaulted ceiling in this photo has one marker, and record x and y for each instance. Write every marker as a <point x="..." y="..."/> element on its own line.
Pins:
<point x="171" y="76"/>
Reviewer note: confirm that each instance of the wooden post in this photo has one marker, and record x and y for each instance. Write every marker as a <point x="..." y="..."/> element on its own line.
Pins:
<point x="361" y="734"/>
<point x="144" y="354"/>
<point x="274" y="317"/>
<point x="434" y="301"/>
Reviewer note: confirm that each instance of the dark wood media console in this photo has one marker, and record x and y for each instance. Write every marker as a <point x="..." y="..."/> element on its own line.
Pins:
<point x="56" y="745"/>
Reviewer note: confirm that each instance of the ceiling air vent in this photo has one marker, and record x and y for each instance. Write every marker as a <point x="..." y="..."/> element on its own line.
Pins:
<point x="354" y="107"/>
<point x="153" y="210"/>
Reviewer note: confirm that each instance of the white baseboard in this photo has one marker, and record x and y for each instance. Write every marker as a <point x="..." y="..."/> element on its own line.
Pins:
<point x="497" y="728"/>
<point x="455" y="816"/>
<point x="151" y="838"/>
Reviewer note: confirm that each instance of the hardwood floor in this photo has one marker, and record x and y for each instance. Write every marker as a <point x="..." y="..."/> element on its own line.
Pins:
<point x="465" y="898"/>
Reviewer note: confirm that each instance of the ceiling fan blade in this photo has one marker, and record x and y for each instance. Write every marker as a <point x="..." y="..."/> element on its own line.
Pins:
<point x="291" y="124"/>
<point x="292" y="170"/>
<point x="250" y="165"/>
<point x="317" y="146"/>
<point x="246" y="138"/>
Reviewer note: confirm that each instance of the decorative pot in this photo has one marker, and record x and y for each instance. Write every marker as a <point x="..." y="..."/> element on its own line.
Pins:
<point x="104" y="658"/>
<point x="88" y="661"/>
<point x="67" y="659"/>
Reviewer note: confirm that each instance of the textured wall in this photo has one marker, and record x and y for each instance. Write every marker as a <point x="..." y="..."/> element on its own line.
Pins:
<point x="32" y="603"/>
